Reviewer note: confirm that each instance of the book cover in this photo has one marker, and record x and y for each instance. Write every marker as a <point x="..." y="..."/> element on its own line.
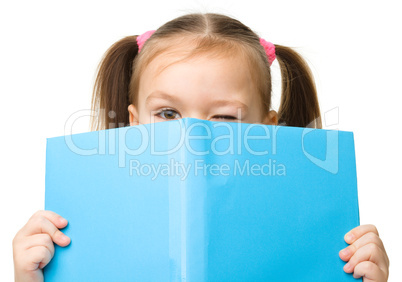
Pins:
<point x="193" y="200"/>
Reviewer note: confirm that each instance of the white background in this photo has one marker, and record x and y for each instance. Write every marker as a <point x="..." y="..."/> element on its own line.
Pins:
<point x="49" y="52"/>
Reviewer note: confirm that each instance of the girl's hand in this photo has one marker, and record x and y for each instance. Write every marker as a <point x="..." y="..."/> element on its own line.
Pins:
<point x="33" y="245"/>
<point x="366" y="255"/>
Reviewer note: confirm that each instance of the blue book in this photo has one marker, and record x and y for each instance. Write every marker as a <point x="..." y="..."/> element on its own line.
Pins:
<point x="193" y="200"/>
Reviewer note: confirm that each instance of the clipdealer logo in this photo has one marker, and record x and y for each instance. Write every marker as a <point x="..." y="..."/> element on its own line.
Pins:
<point x="198" y="167"/>
<point x="330" y="163"/>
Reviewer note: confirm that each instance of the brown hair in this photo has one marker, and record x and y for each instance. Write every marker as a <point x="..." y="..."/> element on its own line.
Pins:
<point x="117" y="81"/>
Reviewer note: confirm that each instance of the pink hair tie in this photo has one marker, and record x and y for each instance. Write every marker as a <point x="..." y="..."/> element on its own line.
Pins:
<point x="269" y="50"/>
<point x="142" y="38"/>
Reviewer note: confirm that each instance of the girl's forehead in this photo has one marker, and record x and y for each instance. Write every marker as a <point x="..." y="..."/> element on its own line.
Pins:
<point x="194" y="58"/>
<point x="204" y="64"/>
<point x="186" y="70"/>
<point x="200" y="76"/>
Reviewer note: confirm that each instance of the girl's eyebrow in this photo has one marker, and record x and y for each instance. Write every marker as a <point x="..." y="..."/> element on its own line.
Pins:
<point x="161" y="95"/>
<point x="216" y="103"/>
<point x="234" y="103"/>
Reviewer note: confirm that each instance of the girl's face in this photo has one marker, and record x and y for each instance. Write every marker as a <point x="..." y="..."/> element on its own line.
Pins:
<point x="216" y="89"/>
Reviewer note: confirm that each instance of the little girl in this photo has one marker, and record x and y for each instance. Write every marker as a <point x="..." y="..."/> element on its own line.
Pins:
<point x="204" y="66"/>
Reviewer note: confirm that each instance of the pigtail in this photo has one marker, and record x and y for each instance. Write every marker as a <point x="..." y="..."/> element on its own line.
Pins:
<point x="110" y="98"/>
<point x="299" y="102"/>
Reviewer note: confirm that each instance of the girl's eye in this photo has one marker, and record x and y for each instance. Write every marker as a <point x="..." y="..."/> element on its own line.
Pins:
<point x="168" y="114"/>
<point x="224" y="117"/>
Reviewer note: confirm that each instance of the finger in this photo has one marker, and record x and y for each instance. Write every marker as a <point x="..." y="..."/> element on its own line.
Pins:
<point x="367" y="238"/>
<point x="38" y="240"/>
<point x="53" y="217"/>
<point x="359" y="231"/>
<point x="370" y="252"/>
<point x="370" y="271"/>
<point x="41" y="224"/>
<point x="37" y="256"/>
<point x="57" y="220"/>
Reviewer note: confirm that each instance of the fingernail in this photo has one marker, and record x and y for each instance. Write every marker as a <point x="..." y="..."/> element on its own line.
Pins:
<point x="347" y="266"/>
<point x="345" y="252"/>
<point x="349" y="237"/>
<point x="63" y="220"/>
<point x="64" y="237"/>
